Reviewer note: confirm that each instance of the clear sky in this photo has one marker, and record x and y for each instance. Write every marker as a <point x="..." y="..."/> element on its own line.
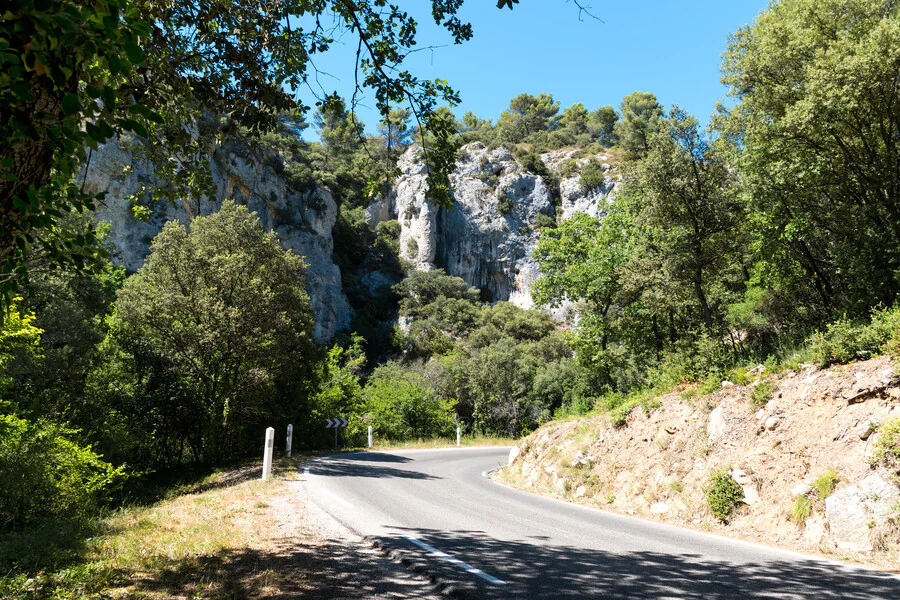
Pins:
<point x="672" y="48"/>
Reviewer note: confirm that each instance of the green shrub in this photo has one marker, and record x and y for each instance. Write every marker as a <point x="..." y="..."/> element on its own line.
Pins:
<point x="504" y="204"/>
<point x="824" y="484"/>
<point x="723" y="495"/>
<point x="592" y="176"/>
<point x="762" y="393"/>
<point x="800" y="509"/>
<point x="887" y="445"/>
<point x="845" y="340"/>
<point x="542" y="221"/>
<point x="44" y="475"/>
<point x="400" y="405"/>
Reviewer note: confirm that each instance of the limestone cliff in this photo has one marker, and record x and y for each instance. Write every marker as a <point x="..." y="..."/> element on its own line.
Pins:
<point x="487" y="237"/>
<point x="302" y="220"/>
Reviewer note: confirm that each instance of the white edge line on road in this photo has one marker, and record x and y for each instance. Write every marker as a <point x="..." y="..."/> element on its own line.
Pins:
<point x="336" y="497"/>
<point x="703" y="534"/>
<point x="443" y="555"/>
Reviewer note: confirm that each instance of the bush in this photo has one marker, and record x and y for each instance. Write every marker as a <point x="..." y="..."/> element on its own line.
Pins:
<point x="400" y="405"/>
<point x="504" y="204"/>
<point x="592" y="177"/>
<point x="723" y="494"/>
<point x="800" y="509"/>
<point x="845" y="340"/>
<point x="45" y="476"/>
<point x="762" y="393"/>
<point x="824" y="484"/>
<point x="887" y="445"/>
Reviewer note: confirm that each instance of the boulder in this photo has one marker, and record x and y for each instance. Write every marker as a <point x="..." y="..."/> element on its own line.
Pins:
<point x="717" y="425"/>
<point x="772" y="423"/>
<point x="853" y="511"/>
<point x="513" y="454"/>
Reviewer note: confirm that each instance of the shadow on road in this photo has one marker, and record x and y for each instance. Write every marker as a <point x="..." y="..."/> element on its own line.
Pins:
<point x="322" y="571"/>
<point x="535" y="570"/>
<point x="367" y="464"/>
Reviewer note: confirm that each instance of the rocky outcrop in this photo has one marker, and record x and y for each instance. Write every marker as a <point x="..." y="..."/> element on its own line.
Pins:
<point x="665" y="455"/>
<point x="489" y="234"/>
<point x="302" y="220"/>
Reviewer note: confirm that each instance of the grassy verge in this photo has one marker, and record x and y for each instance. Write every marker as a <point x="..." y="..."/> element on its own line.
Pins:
<point x="219" y="537"/>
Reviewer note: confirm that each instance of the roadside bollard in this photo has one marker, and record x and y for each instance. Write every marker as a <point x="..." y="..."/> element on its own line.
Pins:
<point x="290" y="440"/>
<point x="457" y="436"/>
<point x="370" y="436"/>
<point x="267" y="453"/>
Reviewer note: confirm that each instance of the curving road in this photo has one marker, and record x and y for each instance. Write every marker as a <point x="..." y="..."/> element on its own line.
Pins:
<point x="489" y="541"/>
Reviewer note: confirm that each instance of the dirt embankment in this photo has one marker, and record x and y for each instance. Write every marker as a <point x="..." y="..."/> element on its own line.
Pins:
<point x="819" y="425"/>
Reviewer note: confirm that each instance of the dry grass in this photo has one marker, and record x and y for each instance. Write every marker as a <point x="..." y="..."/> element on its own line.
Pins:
<point x="228" y="536"/>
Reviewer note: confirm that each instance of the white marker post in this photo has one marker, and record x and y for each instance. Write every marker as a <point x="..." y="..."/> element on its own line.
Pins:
<point x="290" y="440"/>
<point x="370" y="436"/>
<point x="267" y="453"/>
<point x="457" y="436"/>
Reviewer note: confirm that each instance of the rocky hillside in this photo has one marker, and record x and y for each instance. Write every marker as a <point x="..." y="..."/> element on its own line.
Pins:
<point x="818" y="431"/>
<point x="486" y="238"/>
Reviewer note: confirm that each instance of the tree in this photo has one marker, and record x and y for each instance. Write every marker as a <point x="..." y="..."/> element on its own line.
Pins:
<point x="221" y="315"/>
<point x="601" y="125"/>
<point x="400" y="405"/>
<point x="689" y="212"/>
<point x="77" y="73"/>
<point x="816" y="143"/>
<point x="640" y="119"/>
<point x="527" y="115"/>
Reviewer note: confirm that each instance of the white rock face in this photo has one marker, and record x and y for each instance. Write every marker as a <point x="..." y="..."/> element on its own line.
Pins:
<point x="488" y="236"/>
<point x="303" y="221"/>
<point x="851" y="511"/>
<point x="573" y="200"/>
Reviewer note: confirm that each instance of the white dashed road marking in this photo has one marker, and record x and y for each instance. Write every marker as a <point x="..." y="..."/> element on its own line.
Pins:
<point x="444" y="556"/>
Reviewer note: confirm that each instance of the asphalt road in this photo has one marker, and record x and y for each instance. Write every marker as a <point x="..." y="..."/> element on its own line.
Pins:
<point x="489" y="541"/>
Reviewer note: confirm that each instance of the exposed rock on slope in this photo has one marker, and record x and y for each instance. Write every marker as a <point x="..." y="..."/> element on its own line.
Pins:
<point x="658" y="464"/>
<point x="303" y="221"/>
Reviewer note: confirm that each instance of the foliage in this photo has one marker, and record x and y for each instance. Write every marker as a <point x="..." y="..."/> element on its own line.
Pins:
<point x="45" y="475"/>
<point x="723" y="495"/>
<point x="641" y="113"/>
<point x="505" y="205"/>
<point x="800" y="509"/>
<point x="815" y="147"/>
<point x="824" y="484"/>
<point x="887" y="445"/>
<point x="421" y="288"/>
<point x="762" y="393"/>
<point x="592" y="177"/>
<point x="400" y="405"/>
<point x="215" y="327"/>
<point x="63" y="91"/>
<point x="181" y="78"/>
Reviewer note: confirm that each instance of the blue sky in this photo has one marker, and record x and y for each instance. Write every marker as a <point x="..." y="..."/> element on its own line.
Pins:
<point x="672" y="48"/>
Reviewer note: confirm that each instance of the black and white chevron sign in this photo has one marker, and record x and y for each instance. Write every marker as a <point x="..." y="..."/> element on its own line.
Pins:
<point x="339" y="422"/>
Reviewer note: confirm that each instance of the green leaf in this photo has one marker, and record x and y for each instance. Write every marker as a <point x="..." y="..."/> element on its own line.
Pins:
<point x="95" y="133"/>
<point x="71" y="105"/>
<point x="134" y="52"/>
<point x="132" y="125"/>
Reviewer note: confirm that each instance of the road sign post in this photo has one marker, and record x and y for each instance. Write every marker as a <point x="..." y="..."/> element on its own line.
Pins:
<point x="267" y="453"/>
<point x="370" y="436"/>
<point x="290" y="439"/>
<point x="457" y="435"/>
<point x="336" y="424"/>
